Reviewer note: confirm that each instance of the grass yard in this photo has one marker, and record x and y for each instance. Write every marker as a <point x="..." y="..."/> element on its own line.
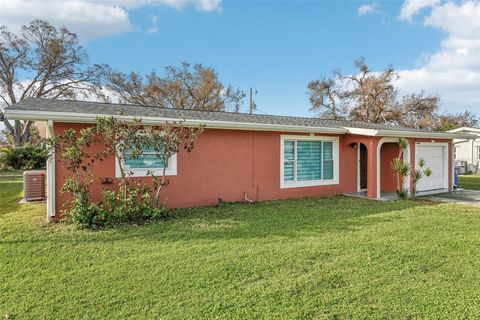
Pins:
<point x="313" y="258"/>
<point x="469" y="182"/>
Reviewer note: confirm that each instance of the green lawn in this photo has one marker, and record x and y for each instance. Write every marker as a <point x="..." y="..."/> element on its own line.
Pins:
<point x="11" y="172"/>
<point x="469" y="182"/>
<point x="315" y="258"/>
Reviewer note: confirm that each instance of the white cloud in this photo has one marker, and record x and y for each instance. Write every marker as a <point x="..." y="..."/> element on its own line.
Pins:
<point x="453" y="72"/>
<point x="209" y="5"/>
<point x="367" y="9"/>
<point x="152" y="30"/>
<point x="89" y="18"/>
<point x="412" y="7"/>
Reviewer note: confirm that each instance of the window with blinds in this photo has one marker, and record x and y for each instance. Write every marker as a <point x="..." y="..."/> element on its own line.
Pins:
<point x="146" y="163"/>
<point x="307" y="160"/>
<point x="147" y="160"/>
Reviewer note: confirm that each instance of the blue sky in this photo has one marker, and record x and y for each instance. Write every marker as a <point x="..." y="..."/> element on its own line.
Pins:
<point x="277" y="47"/>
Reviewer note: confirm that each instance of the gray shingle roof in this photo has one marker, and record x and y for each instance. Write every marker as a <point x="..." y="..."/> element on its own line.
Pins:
<point x="97" y="108"/>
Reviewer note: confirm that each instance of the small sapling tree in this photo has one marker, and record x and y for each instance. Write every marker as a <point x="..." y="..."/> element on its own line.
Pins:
<point x="73" y="151"/>
<point x="165" y="141"/>
<point x="418" y="174"/>
<point x="401" y="168"/>
<point x="121" y="137"/>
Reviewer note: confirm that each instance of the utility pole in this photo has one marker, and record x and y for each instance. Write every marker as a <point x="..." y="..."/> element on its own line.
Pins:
<point x="252" y="103"/>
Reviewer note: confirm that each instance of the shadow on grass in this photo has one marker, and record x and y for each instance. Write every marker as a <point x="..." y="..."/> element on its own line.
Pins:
<point x="287" y="218"/>
<point x="290" y="218"/>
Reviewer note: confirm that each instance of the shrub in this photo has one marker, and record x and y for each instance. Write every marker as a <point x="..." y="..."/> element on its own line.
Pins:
<point x="134" y="200"/>
<point x="114" y="208"/>
<point x="26" y="158"/>
<point x="86" y="213"/>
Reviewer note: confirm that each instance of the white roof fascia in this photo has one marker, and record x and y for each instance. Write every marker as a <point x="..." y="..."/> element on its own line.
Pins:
<point x="465" y="129"/>
<point x="428" y="135"/>
<point x="362" y="131"/>
<point x="90" y="118"/>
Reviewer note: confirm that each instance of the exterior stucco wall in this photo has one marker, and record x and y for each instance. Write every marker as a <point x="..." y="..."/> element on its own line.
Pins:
<point x="224" y="164"/>
<point x="227" y="164"/>
<point x="388" y="152"/>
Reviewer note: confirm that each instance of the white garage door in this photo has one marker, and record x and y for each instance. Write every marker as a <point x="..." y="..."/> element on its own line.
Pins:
<point x="434" y="156"/>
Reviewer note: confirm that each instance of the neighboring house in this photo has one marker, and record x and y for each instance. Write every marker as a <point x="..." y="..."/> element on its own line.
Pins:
<point x="259" y="157"/>
<point x="466" y="152"/>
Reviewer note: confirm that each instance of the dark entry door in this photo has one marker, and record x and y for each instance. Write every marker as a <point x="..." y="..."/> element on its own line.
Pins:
<point x="363" y="166"/>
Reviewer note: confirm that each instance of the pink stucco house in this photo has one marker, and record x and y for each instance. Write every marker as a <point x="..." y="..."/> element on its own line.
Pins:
<point x="258" y="157"/>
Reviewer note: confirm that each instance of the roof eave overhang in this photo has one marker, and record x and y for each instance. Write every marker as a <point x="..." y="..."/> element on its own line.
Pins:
<point x="428" y="135"/>
<point x="90" y="118"/>
<point x="409" y="134"/>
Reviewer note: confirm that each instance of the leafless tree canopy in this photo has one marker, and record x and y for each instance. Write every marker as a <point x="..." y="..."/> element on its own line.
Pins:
<point x="185" y="87"/>
<point x="42" y="61"/>
<point x="371" y="97"/>
<point x="448" y="121"/>
<point x="324" y="95"/>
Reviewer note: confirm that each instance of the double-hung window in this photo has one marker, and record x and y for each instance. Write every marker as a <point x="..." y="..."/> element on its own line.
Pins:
<point x="308" y="161"/>
<point x="147" y="162"/>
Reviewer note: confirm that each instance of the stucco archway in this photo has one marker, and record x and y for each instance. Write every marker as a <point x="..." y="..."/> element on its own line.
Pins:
<point x="406" y="158"/>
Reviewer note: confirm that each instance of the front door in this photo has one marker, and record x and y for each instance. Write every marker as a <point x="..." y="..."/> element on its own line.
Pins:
<point x="362" y="166"/>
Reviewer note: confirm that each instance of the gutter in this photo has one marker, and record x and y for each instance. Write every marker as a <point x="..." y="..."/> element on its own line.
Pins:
<point x="408" y="134"/>
<point x="90" y="118"/>
<point x="213" y="124"/>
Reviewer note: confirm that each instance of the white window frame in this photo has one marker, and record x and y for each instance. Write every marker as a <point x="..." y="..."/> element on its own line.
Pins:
<point x="143" y="172"/>
<point x="310" y="183"/>
<point x="478" y="153"/>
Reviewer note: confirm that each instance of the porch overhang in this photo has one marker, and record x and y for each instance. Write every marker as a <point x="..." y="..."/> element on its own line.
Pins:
<point x="409" y="134"/>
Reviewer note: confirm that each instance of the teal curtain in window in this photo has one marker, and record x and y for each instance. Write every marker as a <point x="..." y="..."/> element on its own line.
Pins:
<point x="309" y="160"/>
<point x="327" y="160"/>
<point x="289" y="160"/>
<point x="147" y="160"/>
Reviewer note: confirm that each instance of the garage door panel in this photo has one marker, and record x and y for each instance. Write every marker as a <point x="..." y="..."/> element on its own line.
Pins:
<point x="434" y="157"/>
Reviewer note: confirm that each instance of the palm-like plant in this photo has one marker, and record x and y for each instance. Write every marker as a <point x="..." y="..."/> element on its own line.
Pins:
<point x="418" y="174"/>
<point x="401" y="168"/>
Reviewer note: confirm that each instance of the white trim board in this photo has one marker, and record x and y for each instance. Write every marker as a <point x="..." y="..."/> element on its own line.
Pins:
<point x="90" y="118"/>
<point x="215" y="124"/>
<point x="51" y="194"/>
<point x="406" y="158"/>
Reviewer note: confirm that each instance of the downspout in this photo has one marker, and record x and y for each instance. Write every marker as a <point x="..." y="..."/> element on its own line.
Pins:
<point x="50" y="176"/>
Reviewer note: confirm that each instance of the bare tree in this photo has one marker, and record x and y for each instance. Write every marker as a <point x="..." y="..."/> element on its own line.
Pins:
<point x="415" y="111"/>
<point x="448" y="121"/>
<point x="185" y="87"/>
<point x="42" y="61"/>
<point x="369" y="94"/>
<point x="371" y="97"/>
<point x="325" y="96"/>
